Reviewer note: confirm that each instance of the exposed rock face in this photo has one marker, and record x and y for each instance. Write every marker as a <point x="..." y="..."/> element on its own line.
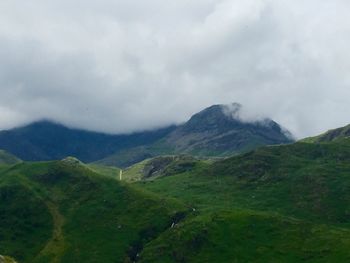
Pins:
<point x="215" y="131"/>
<point x="4" y="259"/>
<point x="72" y="161"/>
<point x="168" y="165"/>
<point x="218" y="130"/>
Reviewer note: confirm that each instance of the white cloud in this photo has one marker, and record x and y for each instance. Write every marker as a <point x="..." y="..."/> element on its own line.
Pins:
<point x="120" y="66"/>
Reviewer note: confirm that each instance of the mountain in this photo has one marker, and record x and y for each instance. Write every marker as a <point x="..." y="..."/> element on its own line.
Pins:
<point x="215" y="131"/>
<point x="331" y="135"/>
<point x="219" y="131"/>
<point x="7" y="158"/>
<point x="51" y="141"/>
<point x="63" y="211"/>
<point x="211" y="132"/>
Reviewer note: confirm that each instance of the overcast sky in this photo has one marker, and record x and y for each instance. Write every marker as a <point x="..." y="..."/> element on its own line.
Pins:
<point x="126" y="65"/>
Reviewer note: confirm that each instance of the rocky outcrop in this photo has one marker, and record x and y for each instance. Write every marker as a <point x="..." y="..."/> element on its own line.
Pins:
<point x="5" y="259"/>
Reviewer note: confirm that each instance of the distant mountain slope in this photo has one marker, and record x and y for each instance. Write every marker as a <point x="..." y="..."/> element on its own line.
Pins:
<point x="219" y="131"/>
<point x="51" y="141"/>
<point x="331" y="135"/>
<point x="7" y="158"/>
<point x="215" y="131"/>
<point x="63" y="211"/>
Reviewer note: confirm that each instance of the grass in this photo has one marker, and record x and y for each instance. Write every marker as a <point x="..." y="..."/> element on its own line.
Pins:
<point x="276" y="204"/>
<point x="287" y="203"/>
<point x="134" y="173"/>
<point x="65" y="212"/>
<point x="7" y="158"/>
<point x="110" y="171"/>
<point x="304" y="180"/>
<point x="248" y="236"/>
<point x="331" y="135"/>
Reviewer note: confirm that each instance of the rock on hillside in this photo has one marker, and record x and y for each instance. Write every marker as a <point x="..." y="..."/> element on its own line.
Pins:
<point x="4" y="259"/>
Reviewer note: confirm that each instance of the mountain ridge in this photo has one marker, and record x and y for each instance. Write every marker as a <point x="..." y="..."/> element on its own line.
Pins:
<point x="46" y="140"/>
<point x="210" y="132"/>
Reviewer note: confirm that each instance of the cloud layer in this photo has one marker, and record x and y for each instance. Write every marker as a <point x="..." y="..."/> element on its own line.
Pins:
<point x="121" y="66"/>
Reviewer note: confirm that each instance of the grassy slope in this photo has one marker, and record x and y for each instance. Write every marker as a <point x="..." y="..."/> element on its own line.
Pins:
<point x="134" y="173"/>
<point x="25" y="221"/>
<point x="65" y="212"/>
<point x="331" y="135"/>
<point x="248" y="236"/>
<point x="110" y="171"/>
<point x="296" y="197"/>
<point x="276" y="204"/>
<point x="159" y="166"/>
<point x="7" y="158"/>
<point x="305" y="180"/>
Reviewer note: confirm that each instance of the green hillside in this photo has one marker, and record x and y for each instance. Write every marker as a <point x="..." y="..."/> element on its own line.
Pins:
<point x="159" y="166"/>
<point x="7" y="158"/>
<point x="65" y="212"/>
<point x="110" y="171"/>
<point x="286" y="203"/>
<point x="246" y="236"/>
<point x="276" y="204"/>
<point x="310" y="181"/>
<point x="331" y="135"/>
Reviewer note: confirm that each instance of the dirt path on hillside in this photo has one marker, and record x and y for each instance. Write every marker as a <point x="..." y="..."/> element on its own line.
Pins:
<point x="54" y="248"/>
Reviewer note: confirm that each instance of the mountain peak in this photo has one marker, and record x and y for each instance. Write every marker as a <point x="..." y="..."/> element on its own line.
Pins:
<point x="216" y="110"/>
<point x="218" y="116"/>
<point x="220" y="130"/>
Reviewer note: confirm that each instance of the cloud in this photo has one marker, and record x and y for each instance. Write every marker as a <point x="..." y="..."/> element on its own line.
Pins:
<point x="122" y="66"/>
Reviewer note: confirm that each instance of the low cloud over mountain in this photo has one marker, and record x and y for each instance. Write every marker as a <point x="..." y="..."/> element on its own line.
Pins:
<point x="121" y="66"/>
